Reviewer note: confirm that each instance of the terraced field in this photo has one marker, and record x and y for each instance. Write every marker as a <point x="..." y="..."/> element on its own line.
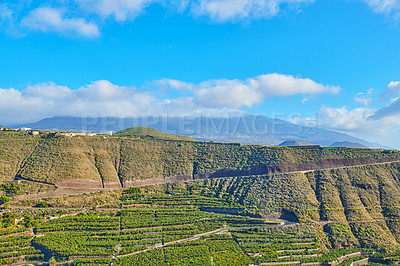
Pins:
<point x="171" y="226"/>
<point x="288" y="245"/>
<point x="179" y="231"/>
<point x="15" y="247"/>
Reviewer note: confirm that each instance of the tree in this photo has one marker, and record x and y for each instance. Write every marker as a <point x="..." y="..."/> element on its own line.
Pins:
<point x="9" y="219"/>
<point x="29" y="221"/>
<point x="43" y="204"/>
<point x="134" y="190"/>
<point x="52" y="261"/>
<point x="4" y="199"/>
<point x="10" y="189"/>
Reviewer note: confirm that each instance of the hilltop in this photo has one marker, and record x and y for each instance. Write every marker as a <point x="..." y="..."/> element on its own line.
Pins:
<point x="291" y="143"/>
<point x="147" y="132"/>
<point x="348" y="144"/>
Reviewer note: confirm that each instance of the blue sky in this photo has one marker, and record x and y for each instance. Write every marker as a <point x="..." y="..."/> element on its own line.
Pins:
<point x="337" y="61"/>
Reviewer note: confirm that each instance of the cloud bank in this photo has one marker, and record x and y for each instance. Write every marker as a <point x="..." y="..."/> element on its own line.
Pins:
<point x="381" y="123"/>
<point x="237" y="93"/>
<point x="226" y="10"/>
<point x="392" y="89"/>
<point x="82" y="18"/>
<point x="103" y="98"/>
<point x="214" y="97"/>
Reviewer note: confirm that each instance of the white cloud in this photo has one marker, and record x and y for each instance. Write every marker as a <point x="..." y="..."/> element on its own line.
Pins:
<point x="306" y="99"/>
<point x="363" y="123"/>
<point x="48" y="19"/>
<point x="61" y="16"/>
<point x="225" y="10"/>
<point x="7" y="20"/>
<point x="174" y="84"/>
<point x="120" y="10"/>
<point x="364" y="98"/>
<point x="391" y="90"/>
<point x="385" y="6"/>
<point x="380" y="125"/>
<point x="49" y="99"/>
<point x="218" y="10"/>
<point x="101" y="98"/>
<point x="232" y="93"/>
<point x="344" y="119"/>
<point x="5" y="14"/>
<point x="238" y="93"/>
<point x="390" y="110"/>
<point x="285" y="85"/>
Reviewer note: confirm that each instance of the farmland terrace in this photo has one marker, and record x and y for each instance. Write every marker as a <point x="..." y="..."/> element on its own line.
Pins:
<point x="169" y="225"/>
<point x="170" y="201"/>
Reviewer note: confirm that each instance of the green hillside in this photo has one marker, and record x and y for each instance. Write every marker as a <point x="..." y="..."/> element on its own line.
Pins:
<point x="15" y="148"/>
<point x="355" y="199"/>
<point x="213" y="222"/>
<point x="115" y="161"/>
<point x="357" y="206"/>
<point x="146" y="132"/>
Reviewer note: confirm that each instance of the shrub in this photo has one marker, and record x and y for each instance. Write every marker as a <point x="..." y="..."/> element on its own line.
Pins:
<point x="4" y="199"/>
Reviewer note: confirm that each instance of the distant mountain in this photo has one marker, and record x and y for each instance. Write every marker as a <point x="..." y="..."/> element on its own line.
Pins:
<point x="246" y="129"/>
<point x="146" y="132"/>
<point x="347" y="144"/>
<point x="293" y="143"/>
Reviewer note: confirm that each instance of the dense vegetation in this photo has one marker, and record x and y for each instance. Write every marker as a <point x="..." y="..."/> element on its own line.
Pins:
<point x="359" y="206"/>
<point x="198" y="223"/>
<point x="17" y="248"/>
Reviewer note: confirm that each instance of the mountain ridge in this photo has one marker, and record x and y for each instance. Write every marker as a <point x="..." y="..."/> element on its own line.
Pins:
<point x="347" y="144"/>
<point x="246" y="129"/>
